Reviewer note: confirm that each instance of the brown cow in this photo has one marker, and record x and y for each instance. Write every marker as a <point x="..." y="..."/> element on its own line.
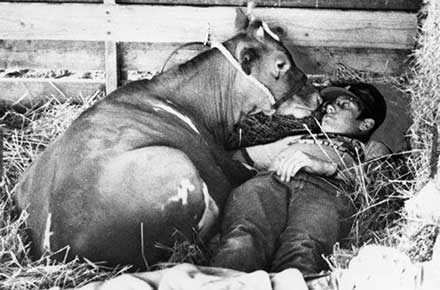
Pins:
<point x="149" y="158"/>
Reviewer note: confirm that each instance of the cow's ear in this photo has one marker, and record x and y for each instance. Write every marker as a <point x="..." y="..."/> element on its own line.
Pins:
<point x="246" y="56"/>
<point x="241" y="20"/>
<point x="279" y="31"/>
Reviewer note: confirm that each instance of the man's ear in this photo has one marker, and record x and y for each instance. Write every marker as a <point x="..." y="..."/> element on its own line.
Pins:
<point x="366" y="124"/>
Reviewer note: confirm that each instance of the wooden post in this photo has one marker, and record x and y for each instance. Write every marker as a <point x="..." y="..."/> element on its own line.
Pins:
<point x="111" y="53"/>
<point x="111" y="66"/>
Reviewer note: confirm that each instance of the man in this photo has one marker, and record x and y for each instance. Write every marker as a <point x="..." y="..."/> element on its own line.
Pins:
<point x="272" y="222"/>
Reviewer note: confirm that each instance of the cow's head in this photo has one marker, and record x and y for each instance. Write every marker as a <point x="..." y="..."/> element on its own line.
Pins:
<point x="261" y="54"/>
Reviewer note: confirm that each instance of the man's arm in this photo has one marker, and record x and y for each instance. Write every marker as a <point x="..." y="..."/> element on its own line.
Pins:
<point x="287" y="156"/>
<point x="262" y="156"/>
<point x="312" y="158"/>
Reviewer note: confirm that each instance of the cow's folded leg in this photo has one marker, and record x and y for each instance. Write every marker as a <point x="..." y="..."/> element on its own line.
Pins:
<point x="142" y="198"/>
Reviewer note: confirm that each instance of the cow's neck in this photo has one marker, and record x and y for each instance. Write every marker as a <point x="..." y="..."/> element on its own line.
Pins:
<point x="204" y="87"/>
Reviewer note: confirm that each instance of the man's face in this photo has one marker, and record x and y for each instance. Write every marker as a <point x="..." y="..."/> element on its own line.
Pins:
<point x="341" y="116"/>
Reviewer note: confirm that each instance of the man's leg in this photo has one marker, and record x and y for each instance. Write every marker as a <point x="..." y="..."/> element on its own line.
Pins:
<point x="318" y="217"/>
<point x="254" y="216"/>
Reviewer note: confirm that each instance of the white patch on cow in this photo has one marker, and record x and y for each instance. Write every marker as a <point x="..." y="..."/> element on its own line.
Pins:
<point x="183" y="191"/>
<point x="47" y="233"/>
<point x="210" y="213"/>
<point x="176" y="113"/>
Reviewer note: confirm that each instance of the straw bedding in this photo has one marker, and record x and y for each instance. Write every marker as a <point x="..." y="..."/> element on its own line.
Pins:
<point x="380" y="189"/>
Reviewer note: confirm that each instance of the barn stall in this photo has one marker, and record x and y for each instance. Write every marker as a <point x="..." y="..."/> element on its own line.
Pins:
<point x="64" y="53"/>
<point x="116" y="39"/>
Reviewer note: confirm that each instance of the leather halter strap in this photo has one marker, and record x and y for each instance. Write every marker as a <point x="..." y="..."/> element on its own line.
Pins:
<point x="235" y="63"/>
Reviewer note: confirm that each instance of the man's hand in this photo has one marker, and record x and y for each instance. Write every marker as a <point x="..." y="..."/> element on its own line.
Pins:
<point x="376" y="149"/>
<point x="287" y="164"/>
<point x="263" y="155"/>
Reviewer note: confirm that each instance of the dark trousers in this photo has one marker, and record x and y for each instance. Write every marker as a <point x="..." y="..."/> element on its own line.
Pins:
<point x="274" y="225"/>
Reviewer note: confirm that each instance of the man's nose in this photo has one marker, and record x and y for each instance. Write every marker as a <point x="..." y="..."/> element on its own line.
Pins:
<point x="318" y="99"/>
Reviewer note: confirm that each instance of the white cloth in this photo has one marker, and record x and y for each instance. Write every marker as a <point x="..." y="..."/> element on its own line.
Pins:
<point x="190" y="277"/>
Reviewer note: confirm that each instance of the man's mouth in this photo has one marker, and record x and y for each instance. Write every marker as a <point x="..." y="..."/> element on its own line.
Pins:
<point x="326" y="117"/>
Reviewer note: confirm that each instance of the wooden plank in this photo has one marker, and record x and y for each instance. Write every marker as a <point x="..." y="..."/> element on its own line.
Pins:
<point x="111" y="55"/>
<point x="58" y="1"/>
<point x="82" y="56"/>
<point x="318" y="60"/>
<point x="306" y="27"/>
<point x="152" y="56"/>
<point x="404" y="5"/>
<point x="32" y="91"/>
<point x="111" y="66"/>
<point x="52" y="54"/>
<point x="313" y="60"/>
<point x="64" y="22"/>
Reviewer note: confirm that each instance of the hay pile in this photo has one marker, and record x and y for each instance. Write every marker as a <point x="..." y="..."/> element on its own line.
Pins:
<point x="393" y="183"/>
<point x="425" y="90"/>
<point x="416" y="236"/>
<point x="379" y="192"/>
<point x="25" y="135"/>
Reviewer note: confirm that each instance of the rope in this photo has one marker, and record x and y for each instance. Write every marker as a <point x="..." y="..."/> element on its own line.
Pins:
<point x="179" y="48"/>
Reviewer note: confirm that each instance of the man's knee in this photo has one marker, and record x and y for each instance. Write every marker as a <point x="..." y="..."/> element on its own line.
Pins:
<point x="238" y="253"/>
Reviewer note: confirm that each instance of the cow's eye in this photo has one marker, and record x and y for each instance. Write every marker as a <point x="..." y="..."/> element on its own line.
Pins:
<point x="249" y="55"/>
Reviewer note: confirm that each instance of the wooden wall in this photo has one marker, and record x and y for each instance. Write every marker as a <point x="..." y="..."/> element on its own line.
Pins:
<point x="375" y="36"/>
<point x="404" y="5"/>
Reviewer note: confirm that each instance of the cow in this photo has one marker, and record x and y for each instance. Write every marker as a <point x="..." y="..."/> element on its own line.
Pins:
<point x="150" y="159"/>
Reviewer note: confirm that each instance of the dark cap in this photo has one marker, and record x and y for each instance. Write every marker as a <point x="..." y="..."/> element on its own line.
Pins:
<point x="372" y="102"/>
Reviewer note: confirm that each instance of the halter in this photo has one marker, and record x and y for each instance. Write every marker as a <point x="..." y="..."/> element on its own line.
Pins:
<point x="234" y="62"/>
<point x="215" y="44"/>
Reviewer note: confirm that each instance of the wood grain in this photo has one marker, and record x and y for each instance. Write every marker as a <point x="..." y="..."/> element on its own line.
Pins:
<point x="111" y="66"/>
<point x="305" y="27"/>
<point x="89" y="55"/>
<point x="312" y="60"/>
<point x="405" y="5"/>
<point x="32" y="91"/>
<point x="52" y="54"/>
<point x="58" y="1"/>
